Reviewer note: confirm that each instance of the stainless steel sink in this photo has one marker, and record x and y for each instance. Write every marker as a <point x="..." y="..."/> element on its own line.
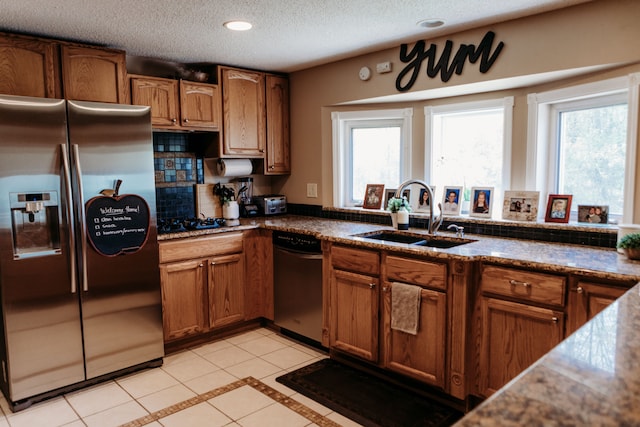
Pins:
<point x="415" y="239"/>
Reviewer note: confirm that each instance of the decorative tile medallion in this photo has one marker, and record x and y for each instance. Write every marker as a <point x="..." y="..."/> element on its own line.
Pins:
<point x="175" y="169"/>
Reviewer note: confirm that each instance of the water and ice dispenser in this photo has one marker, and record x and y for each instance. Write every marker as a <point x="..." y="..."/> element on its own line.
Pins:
<point x="35" y="225"/>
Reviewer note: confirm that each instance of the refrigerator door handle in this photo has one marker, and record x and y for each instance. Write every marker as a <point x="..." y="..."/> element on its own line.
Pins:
<point x="82" y="217"/>
<point x="72" y="235"/>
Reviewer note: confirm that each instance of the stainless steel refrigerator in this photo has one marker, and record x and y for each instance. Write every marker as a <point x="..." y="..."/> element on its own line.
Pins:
<point x="79" y="277"/>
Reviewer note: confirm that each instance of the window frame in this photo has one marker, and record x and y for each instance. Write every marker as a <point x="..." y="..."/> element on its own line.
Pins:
<point x="542" y="130"/>
<point x="506" y="103"/>
<point x="342" y="124"/>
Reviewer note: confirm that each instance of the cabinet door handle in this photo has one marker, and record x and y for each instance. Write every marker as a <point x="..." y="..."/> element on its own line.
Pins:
<point x="554" y="319"/>
<point x="385" y="289"/>
<point x="186" y="120"/>
<point x="372" y="285"/>
<point x="519" y="283"/>
<point x="579" y="290"/>
<point x="213" y="263"/>
<point x="201" y="265"/>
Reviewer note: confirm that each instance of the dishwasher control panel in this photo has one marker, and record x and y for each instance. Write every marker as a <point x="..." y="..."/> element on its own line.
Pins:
<point x="297" y="242"/>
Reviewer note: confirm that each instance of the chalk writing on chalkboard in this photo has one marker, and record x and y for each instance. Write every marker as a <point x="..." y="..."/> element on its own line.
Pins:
<point x="117" y="225"/>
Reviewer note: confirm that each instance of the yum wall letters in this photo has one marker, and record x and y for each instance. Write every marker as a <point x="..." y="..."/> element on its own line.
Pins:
<point x="445" y="65"/>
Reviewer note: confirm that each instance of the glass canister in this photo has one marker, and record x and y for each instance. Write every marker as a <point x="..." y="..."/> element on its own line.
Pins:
<point x="245" y="190"/>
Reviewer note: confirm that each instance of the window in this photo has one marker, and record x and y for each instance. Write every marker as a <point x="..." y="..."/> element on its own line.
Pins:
<point x="370" y="147"/>
<point x="583" y="146"/>
<point x="469" y="145"/>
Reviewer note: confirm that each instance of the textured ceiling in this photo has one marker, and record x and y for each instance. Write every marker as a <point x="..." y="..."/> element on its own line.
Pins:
<point x="288" y="35"/>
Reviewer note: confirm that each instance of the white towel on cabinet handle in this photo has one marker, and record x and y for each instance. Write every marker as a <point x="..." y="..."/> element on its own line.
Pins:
<point x="405" y="307"/>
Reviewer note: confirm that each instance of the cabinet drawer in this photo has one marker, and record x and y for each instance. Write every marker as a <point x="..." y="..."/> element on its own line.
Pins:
<point x="525" y="285"/>
<point x="361" y="261"/>
<point x="198" y="247"/>
<point x="416" y="272"/>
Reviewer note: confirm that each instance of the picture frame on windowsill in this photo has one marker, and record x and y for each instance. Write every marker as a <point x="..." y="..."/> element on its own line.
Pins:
<point x="593" y="214"/>
<point x="391" y="192"/>
<point x="422" y="203"/>
<point x="558" y="208"/>
<point x="481" y="202"/>
<point x="521" y="205"/>
<point x="373" y="196"/>
<point x="452" y="200"/>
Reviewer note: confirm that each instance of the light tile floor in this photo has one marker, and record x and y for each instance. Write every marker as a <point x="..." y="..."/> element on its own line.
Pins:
<point x="260" y="353"/>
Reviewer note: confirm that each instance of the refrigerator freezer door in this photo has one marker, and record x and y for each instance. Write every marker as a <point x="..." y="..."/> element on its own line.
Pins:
<point x="42" y="340"/>
<point x="121" y="301"/>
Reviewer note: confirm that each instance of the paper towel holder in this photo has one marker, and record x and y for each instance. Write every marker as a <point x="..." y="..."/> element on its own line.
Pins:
<point x="221" y="166"/>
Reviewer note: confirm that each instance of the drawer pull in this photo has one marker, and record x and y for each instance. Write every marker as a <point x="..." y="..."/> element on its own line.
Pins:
<point x="519" y="283"/>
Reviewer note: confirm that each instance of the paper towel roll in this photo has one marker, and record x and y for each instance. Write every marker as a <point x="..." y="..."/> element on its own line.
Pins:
<point x="234" y="167"/>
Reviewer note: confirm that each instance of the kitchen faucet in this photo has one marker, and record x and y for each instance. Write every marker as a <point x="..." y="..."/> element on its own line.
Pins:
<point x="434" y="224"/>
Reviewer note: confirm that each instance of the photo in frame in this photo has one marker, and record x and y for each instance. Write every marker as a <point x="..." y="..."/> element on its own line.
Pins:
<point x="451" y="200"/>
<point x="558" y="208"/>
<point x="521" y="205"/>
<point x="593" y="214"/>
<point x="373" y="196"/>
<point x="422" y="202"/>
<point x="391" y="192"/>
<point x="481" y="201"/>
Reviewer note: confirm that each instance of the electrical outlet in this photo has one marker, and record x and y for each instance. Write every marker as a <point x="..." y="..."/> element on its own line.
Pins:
<point x="383" y="67"/>
<point x="312" y="190"/>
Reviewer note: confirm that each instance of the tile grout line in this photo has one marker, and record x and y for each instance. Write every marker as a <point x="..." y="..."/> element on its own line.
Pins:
<point x="272" y="393"/>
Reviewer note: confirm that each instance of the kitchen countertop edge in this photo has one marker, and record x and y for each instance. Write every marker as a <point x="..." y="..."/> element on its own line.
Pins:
<point x="587" y="261"/>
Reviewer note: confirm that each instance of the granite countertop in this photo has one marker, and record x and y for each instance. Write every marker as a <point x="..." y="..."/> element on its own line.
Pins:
<point x="590" y="379"/>
<point x="554" y="257"/>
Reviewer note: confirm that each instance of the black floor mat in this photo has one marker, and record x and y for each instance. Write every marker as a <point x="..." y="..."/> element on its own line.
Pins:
<point x="367" y="399"/>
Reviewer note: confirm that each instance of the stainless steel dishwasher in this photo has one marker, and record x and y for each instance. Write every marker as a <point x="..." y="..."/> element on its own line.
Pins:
<point x="297" y="262"/>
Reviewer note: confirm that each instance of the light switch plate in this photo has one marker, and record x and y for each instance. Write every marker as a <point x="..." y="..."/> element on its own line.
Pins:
<point x="312" y="190"/>
<point x="383" y="67"/>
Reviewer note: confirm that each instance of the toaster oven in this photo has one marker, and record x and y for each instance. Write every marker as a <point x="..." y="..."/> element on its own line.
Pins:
<point x="271" y="204"/>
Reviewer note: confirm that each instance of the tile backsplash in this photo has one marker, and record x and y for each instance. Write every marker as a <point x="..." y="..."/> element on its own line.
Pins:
<point x="177" y="170"/>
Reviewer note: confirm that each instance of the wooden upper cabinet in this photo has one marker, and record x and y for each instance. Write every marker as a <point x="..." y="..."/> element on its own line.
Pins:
<point x="278" y="146"/>
<point x="178" y="104"/>
<point x="161" y="95"/>
<point x="200" y="105"/>
<point x="243" y="107"/>
<point x="94" y="74"/>
<point x="29" y="67"/>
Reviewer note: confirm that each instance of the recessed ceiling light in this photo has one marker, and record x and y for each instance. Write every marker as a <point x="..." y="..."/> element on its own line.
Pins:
<point x="238" y="25"/>
<point x="430" y="23"/>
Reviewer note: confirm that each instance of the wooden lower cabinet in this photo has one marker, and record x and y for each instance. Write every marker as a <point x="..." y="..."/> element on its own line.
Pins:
<point x="202" y="281"/>
<point x="183" y="290"/>
<point x="354" y="307"/>
<point x="420" y="356"/>
<point x="226" y="292"/>
<point x="587" y="299"/>
<point x="259" y="293"/>
<point x="514" y="335"/>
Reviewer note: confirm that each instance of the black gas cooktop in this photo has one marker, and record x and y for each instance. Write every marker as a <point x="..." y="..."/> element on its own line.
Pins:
<point x="176" y="225"/>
